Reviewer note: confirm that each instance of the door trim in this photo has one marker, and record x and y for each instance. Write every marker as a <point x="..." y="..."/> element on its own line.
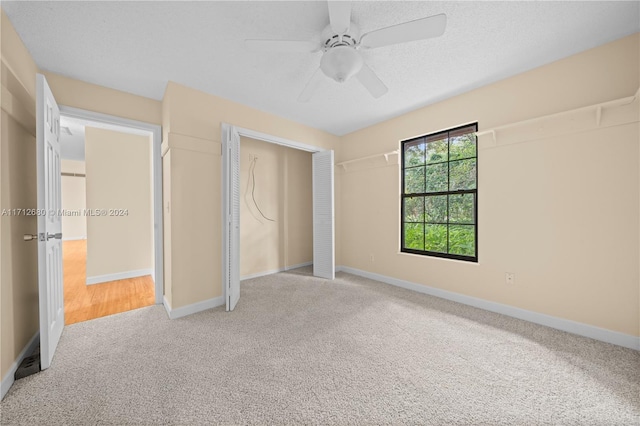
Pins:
<point x="155" y="131"/>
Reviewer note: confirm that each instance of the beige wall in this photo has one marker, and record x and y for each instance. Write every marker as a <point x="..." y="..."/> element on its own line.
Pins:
<point x="191" y="124"/>
<point x="283" y="193"/>
<point x="91" y="97"/>
<point x="189" y="113"/>
<point x="192" y="260"/>
<point x="18" y="266"/>
<point x="117" y="169"/>
<point x="73" y="166"/>
<point x="19" y="311"/>
<point x="74" y="199"/>
<point x="558" y="201"/>
<point x="17" y="58"/>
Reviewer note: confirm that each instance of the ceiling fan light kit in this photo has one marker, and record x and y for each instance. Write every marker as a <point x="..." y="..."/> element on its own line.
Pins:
<point x="340" y="63"/>
<point x="341" y="59"/>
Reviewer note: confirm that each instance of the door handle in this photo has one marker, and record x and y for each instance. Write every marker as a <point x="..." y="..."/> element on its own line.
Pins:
<point x="57" y="236"/>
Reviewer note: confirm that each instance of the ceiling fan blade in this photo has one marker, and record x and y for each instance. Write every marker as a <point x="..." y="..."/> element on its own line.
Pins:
<point x="340" y="16"/>
<point x="371" y="82"/>
<point x="312" y="85"/>
<point x="420" y="29"/>
<point x="292" y="46"/>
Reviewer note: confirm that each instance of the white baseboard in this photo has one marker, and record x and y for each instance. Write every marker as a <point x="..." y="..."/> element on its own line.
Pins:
<point x="167" y="306"/>
<point x="574" y="327"/>
<point x="299" y="265"/>
<point x="97" y="279"/>
<point x="274" y="271"/>
<point x="74" y="238"/>
<point x="8" y="379"/>
<point x="260" y="274"/>
<point x="193" y="308"/>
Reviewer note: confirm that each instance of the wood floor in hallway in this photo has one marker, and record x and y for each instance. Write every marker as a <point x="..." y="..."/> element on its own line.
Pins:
<point x="84" y="302"/>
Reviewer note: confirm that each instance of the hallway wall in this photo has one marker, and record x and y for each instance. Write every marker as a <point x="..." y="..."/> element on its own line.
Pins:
<point x="74" y="199"/>
<point x="119" y="184"/>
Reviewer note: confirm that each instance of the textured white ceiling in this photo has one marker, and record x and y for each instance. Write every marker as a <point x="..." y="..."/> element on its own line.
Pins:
<point x="138" y="46"/>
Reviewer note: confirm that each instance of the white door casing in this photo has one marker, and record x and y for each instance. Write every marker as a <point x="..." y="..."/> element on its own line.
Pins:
<point x="231" y="214"/>
<point x="49" y="222"/>
<point x="323" y="215"/>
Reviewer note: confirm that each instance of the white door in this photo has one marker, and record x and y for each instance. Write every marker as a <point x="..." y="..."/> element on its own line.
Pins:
<point x="231" y="213"/>
<point x="49" y="222"/>
<point x="323" y="216"/>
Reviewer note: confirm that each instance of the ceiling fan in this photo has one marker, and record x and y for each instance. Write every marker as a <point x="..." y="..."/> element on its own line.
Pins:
<point x="341" y="43"/>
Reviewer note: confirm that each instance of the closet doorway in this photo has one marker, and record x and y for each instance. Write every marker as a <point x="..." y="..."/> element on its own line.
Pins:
<point x="276" y="218"/>
<point x="322" y="164"/>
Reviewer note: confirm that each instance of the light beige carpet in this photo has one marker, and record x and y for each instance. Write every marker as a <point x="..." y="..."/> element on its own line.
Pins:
<point x="301" y="350"/>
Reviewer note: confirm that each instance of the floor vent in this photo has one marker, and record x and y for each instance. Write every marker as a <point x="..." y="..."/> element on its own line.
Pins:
<point x="30" y="365"/>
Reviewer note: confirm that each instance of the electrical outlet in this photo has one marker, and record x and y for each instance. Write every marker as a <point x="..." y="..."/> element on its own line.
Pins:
<point x="372" y="258"/>
<point x="510" y="278"/>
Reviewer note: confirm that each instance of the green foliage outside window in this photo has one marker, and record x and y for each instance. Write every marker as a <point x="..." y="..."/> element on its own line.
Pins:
<point x="440" y="194"/>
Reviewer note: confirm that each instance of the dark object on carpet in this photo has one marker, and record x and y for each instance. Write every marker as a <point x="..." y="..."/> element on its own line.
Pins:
<point x="30" y="365"/>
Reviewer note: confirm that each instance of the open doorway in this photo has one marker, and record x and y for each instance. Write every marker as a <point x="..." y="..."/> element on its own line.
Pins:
<point x="108" y="222"/>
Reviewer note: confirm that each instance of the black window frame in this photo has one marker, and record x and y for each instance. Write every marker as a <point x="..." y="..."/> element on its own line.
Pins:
<point x="447" y="193"/>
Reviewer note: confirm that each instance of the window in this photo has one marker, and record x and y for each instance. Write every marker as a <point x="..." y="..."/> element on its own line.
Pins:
<point x="439" y="205"/>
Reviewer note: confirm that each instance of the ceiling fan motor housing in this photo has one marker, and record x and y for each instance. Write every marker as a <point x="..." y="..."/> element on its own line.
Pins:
<point x="331" y="39"/>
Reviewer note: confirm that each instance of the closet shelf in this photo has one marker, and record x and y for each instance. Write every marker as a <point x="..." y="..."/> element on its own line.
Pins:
<point x="386" y="156"/>
<point x="597" y="108"/>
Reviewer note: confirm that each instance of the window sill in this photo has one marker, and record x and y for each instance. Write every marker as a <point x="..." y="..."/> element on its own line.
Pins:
<point x="422" y="256"/>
